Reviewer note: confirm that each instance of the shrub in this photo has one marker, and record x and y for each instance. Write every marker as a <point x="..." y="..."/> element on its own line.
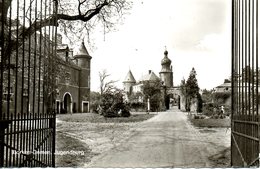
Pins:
<point x="94" y="107"/>
<point x="125" y="113"/>
<point x="95" y="103"/>
<point x="221" y="97"/>
<point x="152" y="90"/>
<point x="215" y="116"/>
<point x="113" y="105"/>
<point x="199" y="117"/>
<point x="137" y="106"/>
<point x="155" y="103"/>
<point x="121" y="109"/>
<point x="227" y="110"/>
<point x="200" y="103"/>
<point x="222" y="116"/>
<point x="109" y="114"/>
<point x="115" y="112"/>
<point x="208" y="109"/>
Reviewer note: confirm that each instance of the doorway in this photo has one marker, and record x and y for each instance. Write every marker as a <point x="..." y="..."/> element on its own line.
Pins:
<point x="67" y="103"/>
<point x="85" y="107"/>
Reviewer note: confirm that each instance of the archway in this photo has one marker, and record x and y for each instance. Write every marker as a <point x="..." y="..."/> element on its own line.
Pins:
<point x="67" y="103"/>
<point x="167" y="102"/>
<point x="179" y="102"/>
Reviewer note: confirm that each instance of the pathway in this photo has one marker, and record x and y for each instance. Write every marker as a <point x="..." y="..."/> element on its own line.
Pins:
<point x="166" y="140"/>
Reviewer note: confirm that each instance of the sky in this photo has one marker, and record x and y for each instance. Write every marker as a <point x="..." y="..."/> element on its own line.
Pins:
<point x="196" y="33"/>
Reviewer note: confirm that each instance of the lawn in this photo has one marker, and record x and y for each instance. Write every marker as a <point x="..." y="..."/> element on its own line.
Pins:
<point x="209" y="122"/>
<point x="222" y="159"/>
<point x="96" y="118"/>
<point x="214" y="130"/>
<point x="70" y="152"/>
<point x="92" y="134"/>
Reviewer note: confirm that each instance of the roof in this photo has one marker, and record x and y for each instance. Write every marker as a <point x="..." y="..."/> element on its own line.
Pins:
<point x="242" y="84"/>
<point x="166" y="60"/>
<point x="224" y="85"/>
<point x="150" y="77"/>
<point x="129" y="78"/>
<point x="81" y="51"/>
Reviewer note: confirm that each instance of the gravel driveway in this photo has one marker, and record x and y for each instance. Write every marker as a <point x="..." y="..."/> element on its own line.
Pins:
<point x="166" y="140"/>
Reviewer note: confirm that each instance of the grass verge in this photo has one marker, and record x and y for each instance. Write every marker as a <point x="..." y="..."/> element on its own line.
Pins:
<point x="221" y="159"/>
<point x="96" y="118"/>
<point x="71" y="152"/>
<point x="210" y="122"/>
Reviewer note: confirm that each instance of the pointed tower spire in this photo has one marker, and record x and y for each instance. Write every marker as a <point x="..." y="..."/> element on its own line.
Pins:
<point x="129" y="78"/>
<point x="84" y="62"/>
<point x="129" y="82"/>
<point x="81" y="51"/>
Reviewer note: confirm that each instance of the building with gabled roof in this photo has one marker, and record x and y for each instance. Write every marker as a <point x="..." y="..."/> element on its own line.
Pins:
<point x="73" y="83"/>
<point x="171" y="92"/>
<point x="151" y="76"/>
<point x="133" y="86"/>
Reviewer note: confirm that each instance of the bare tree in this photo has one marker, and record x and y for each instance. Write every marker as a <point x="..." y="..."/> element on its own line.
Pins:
<point x="105" y="86"/>
<point x="80" y="16"/>
<point x="27" y="29"/>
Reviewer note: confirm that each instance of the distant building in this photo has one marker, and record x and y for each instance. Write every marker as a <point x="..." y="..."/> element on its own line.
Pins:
<point x="223" y="93"/>
<point x="172" y="92"/>
<point x="133" y="87"/>
<point x="225" y="87"/>
<point x="129" y="82"/>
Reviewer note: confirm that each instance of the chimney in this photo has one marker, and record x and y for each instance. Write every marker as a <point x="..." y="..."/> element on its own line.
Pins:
<point x="149" y="71"/>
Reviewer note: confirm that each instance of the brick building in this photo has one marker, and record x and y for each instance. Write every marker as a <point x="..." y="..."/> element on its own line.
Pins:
<point x="26" y="86"/>
<point x="73" y="91"/>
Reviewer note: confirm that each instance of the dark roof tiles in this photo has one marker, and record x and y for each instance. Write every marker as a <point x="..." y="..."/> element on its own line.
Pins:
<point x="129" y="78"/>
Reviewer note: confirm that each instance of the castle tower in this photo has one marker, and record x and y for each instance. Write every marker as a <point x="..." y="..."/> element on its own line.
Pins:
<point x="129" y="82"/>
<point x="166" y="74"/>
<point x="83" y="59"/>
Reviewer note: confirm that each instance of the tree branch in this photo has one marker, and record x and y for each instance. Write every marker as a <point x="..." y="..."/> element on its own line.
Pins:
<point x="52" y="20"/>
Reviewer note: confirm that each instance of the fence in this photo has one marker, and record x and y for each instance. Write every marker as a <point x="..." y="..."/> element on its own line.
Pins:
<point x="27" y="52"/>
<point x="245" y="84"/>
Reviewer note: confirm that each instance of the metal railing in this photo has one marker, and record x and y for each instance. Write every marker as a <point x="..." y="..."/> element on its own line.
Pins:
<point x="245" y="84"/>
<point x="27" y="52"/>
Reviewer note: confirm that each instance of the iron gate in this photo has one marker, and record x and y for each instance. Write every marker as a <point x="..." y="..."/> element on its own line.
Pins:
<point x="245" y="84"/>
<point x="27" y="120"/>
